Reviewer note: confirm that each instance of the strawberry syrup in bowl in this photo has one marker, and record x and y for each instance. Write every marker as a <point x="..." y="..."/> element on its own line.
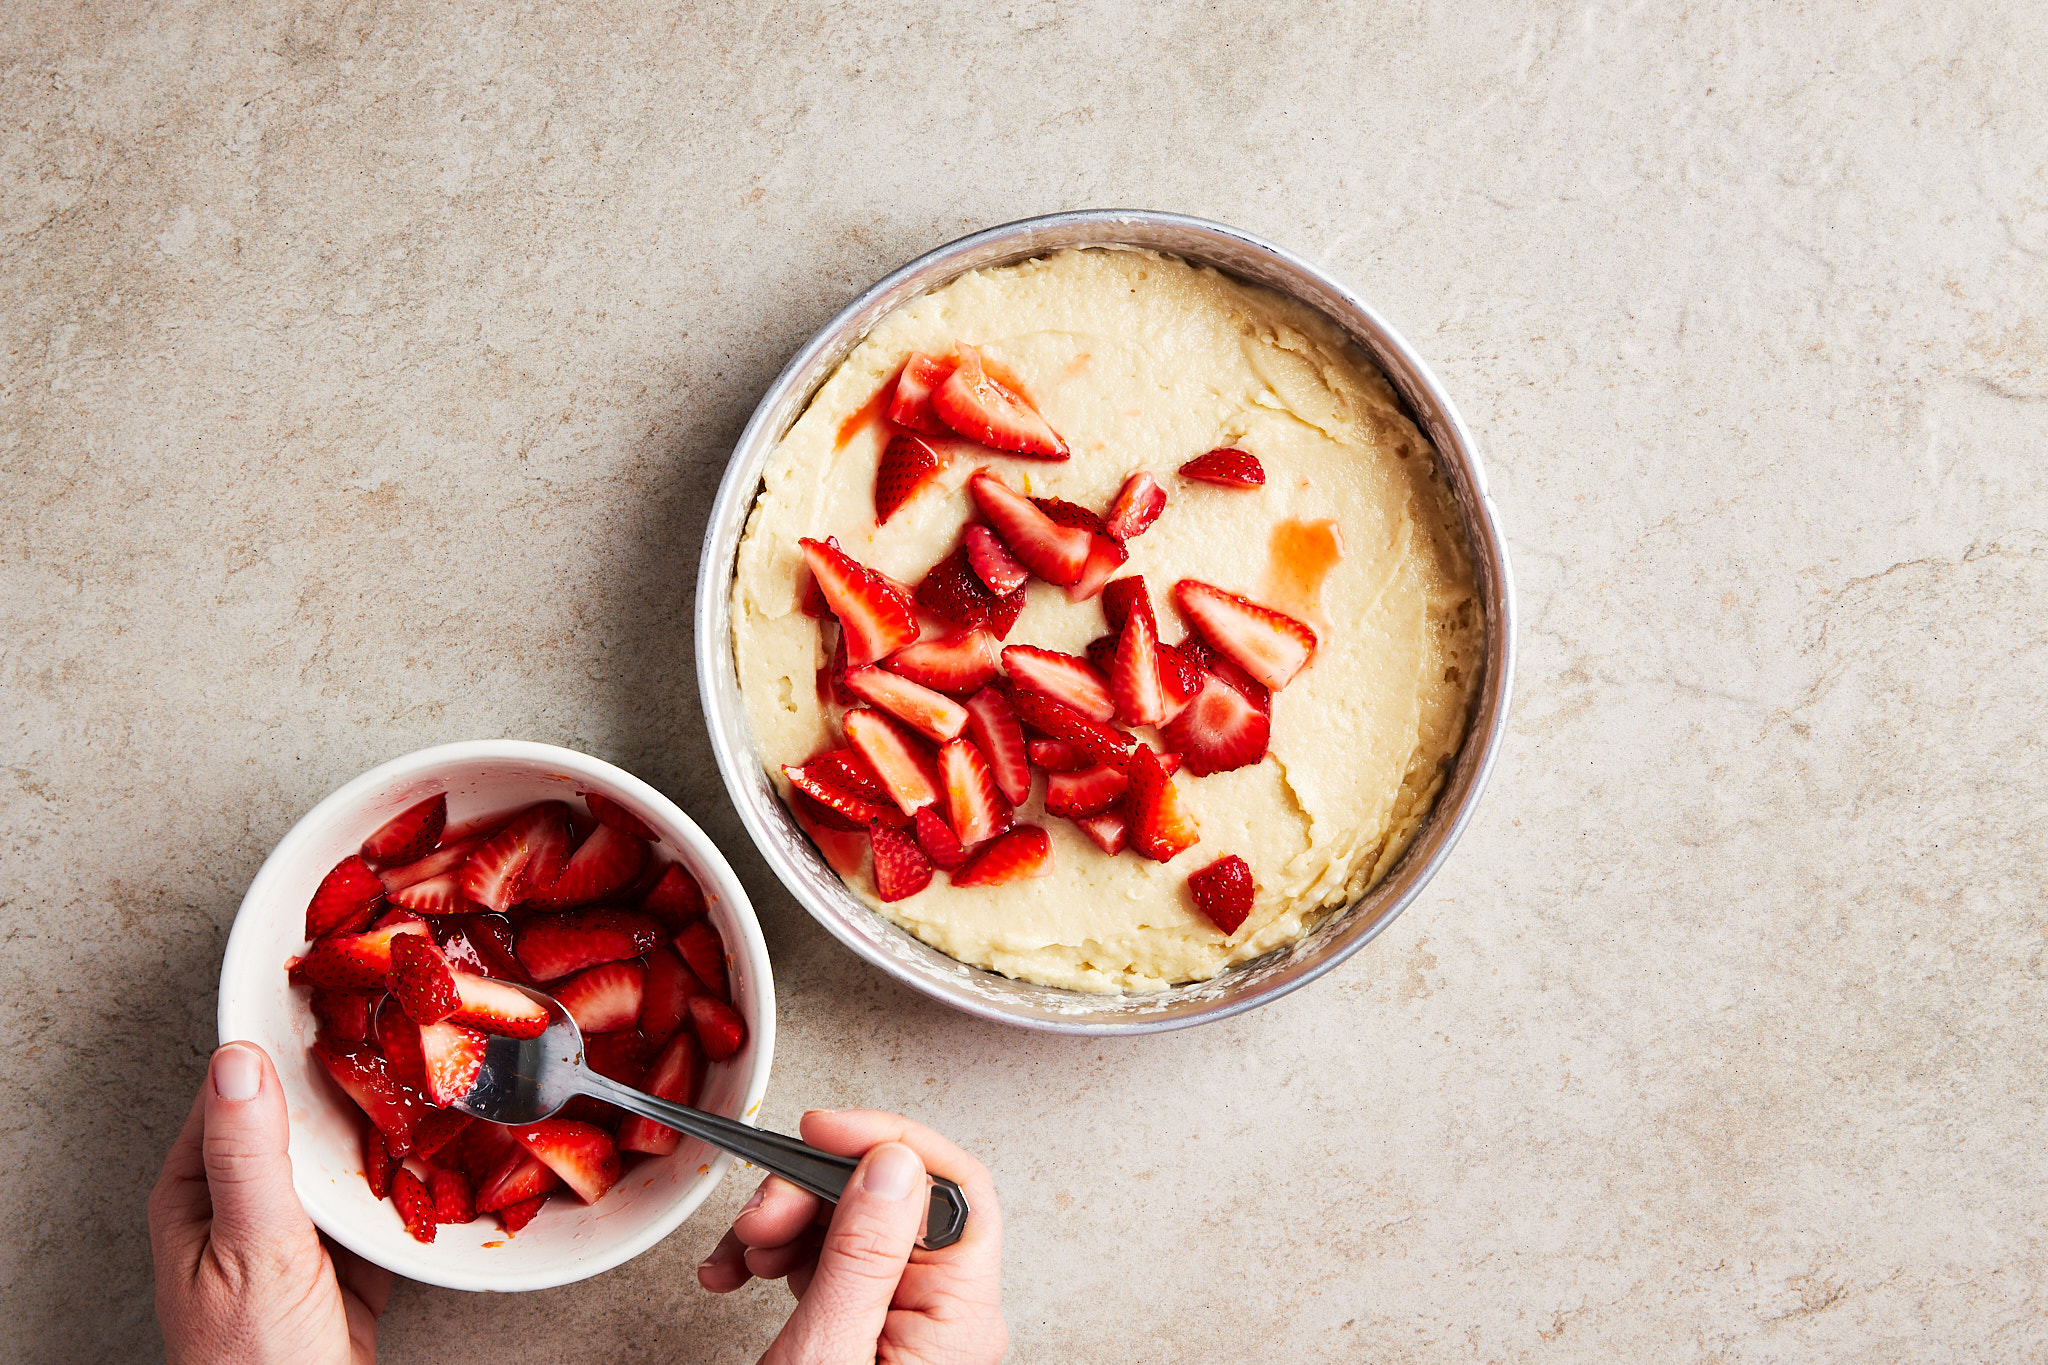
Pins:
<point x="1300" y="557"/>
<point x="485" y="782"/>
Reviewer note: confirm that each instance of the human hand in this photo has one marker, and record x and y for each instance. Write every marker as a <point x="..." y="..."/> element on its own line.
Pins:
<point x="241" y="1275"/>
<point x="864" y="1293"/>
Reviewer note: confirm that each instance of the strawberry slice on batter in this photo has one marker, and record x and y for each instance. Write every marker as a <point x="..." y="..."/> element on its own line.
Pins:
<point x="954" y="593"/>
<point x="1091" y="791"/>
<point x="975" y="807"/>
<point x="1223" y="891"/>
<point x="934" y="715"/>
<point x="1023" y="852"/>
<point x="1057" y="720"/>
<point x="897" y="757"/>
<point x="1273" y="648"/>
<point x="1138" y="504"/>
<point x="1063" y="677"/>
<point x="1134" y="683"/>
<point x="982" y="408"/>
<point x="993" y="726"/>
<point x="1056" y="553"/>
<point x="901" y="867"/>
<point x="992" y="561"/>
<point x="1160" y="827"/>
<point x="959" y="664"/>
<point x="876" y="618"/>
<point x="908" y="464"/>
<point x="1226" y="468"/>
<point x="1219" y="730"/>
<point x="911" y="404"/>
<point x="938" y="841"/>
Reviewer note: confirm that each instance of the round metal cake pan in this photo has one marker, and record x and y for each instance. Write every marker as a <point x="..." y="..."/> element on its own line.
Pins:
<point x="987" y="994"/>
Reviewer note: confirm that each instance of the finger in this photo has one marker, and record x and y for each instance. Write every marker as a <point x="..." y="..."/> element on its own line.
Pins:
<point x="800" y="1277"/>
<point x="971" y="1269"/>
<point x="725" y="1269"/>
<point x="778" y="1213"/>
<point x="772" y="1263"/>
<point x="179" y="1206"/>
<point x="880" y="1213"/>
<point x="258" y="1222"/>
<point x="369" y="1282"/>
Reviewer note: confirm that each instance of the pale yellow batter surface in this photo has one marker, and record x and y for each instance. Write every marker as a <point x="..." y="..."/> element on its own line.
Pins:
<point x="1143" y="361"/>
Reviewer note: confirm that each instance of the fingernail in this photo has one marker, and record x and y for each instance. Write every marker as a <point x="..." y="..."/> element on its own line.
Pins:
<point x="237" y="1075"/>
<point x="892" y="1171"/>
<point x="755" y="1202"/>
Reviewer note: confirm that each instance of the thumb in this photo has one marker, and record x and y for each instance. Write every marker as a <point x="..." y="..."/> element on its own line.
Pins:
<point x="256" y="1214"/>
<point x="880" y="1214"/>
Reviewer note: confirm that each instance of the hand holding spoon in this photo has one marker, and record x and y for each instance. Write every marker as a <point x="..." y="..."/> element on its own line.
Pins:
<point x="524" y="1080"/>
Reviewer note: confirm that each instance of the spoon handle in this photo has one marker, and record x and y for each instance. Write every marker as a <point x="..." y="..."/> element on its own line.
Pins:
<point x="822" y="1173"/>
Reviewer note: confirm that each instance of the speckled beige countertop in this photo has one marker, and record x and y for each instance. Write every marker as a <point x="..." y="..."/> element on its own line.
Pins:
<point x="367" y="374"/>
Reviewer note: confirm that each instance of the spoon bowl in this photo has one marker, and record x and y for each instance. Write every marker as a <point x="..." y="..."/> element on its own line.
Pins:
<point x="525" y="1080"/>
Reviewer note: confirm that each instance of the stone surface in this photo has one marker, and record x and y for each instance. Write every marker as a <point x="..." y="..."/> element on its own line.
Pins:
<point x="367" y="374"/>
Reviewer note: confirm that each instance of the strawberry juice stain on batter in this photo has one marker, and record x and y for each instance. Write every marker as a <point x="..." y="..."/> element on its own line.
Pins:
<point x="1299" y="556"/>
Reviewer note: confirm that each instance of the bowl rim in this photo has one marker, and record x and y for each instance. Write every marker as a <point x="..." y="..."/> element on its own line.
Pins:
<point x="1426" y="403"/>
<point x="243" y="945"/>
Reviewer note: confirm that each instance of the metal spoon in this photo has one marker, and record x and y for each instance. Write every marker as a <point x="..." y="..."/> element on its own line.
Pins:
<point x="524" y="1080"/>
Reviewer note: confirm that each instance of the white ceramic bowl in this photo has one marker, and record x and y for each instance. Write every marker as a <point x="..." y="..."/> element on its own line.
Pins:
<point x="568" y="1241"/>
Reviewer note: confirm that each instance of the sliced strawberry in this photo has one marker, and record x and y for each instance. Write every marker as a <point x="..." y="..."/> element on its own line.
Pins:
<point x="494" y="1007"/>
<point x="901" y="867"/>
<point x="449" y="857"/>
<point x="678" y="1074"/>
<point x="875" y="618"/>
<point x="452" y="1200"/>
<point x="1208" y="659"/>
<point x="1180" y="680"/>
<point x="450" y="1056"/>
<point x="1160" y="828"/>
<point x="438" y="1129"/>
<point x="491" y="938"/>
<point x="813" y="813"/>
<point x="665" y="1004"/>
<point x="1227" y="468"/>
<point x="605" y="862"/>
<point x="676" y="899"/>
<point x="1271" y="647"/>
<point x="1089" y="792"/>
<point x="975" y="807"/>
<point x="440" y="895"/>
<point x="352" y="962"/>
<point x="495" y="875"/>
<point x="409" y="834"/>
<point x="1223" y="891"/>
<point x="398" y="1038"/>
<point x="954" y="593"/>
<point x="422" y="980"/>
<point x="897" y="756"/>
<point x="932" y="714"/>
<point x="365" y="1077"/>
<point x="345" y="899"/>
<point x="911" y="404"/>
<point x="552" y="946"/>
<point x="513" y="1217"/>
<point x="1134" y="682"/>
<point x="581" y="1154"/>
<point x="477" y="827"/>
<point x="992" y="561"/>
<point x="832" y="677"/>
<point x="344" y="1015"/>
<point x="1101" y="652"/>
<point x="1105" y="557"/>
<point x="482" y="1151"/>
<point x="415" y="1205"/>
<point x="908" y="464"/>
<point x="703" y="952"/>
<point x="848" y="810"/>
<point x="1138" y="504"/>
<point x="1057" y="756"/>
<point x="1070" y="514"/>
<point x="938" y="841"/>
<point x="1056" y="553"/>
<point x="982" y="408"/>
<point x="810" y="599"/>
<point x="1120" y="596"/>
<point x="1219" y="730"/>
<point x="992" y="725"/>
<point x="1057" y="720"/>
<point x="520" y="1179"/>
<point x="1107" y="830"/>
<point x="719" y="1027"/>
<point x="1063" y="677"/>
<point x="610" y="812"/>
<point x="1024" y="852"/>
<point x="959" y="664"/>
<point x="606" y="997"/>
<point x="377" y="1162"/>
<point x="622" y="1054"/>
